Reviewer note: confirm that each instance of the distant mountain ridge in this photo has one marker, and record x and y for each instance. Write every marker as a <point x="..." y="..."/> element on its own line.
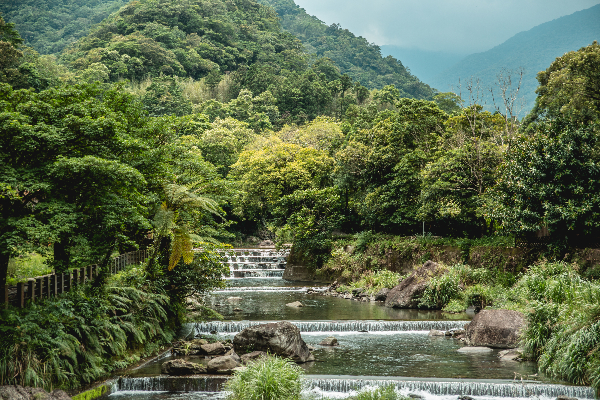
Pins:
<point x="352" y="54"/>
<point x="533" y="50"/>
<point x="424" y="64"/>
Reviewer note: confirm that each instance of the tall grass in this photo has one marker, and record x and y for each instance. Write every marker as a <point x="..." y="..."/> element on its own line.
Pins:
<point x="269" y="378"/>
<point x="373" y="282"/>
<point x="29" y="266"/>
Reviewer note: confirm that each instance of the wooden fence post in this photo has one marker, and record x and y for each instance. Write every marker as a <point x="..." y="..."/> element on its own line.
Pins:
<point x="75" y="279"/>
<point x="20" y="295"/>
<point x="31" y="289"/>
<point x="68" y="282"/>
<point x="82" y="275"/>
<point x="53" y="286"/>
<point x="46" y="288"/>
<point x="89" y="272"/>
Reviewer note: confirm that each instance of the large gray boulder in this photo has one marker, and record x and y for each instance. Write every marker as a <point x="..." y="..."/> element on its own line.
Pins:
<point x="408" y="292"/>
<point x="224" y="364"/>
<point x="495" y="328"/>
<point x="179" y="367"/>
<point x="280" y="338"/>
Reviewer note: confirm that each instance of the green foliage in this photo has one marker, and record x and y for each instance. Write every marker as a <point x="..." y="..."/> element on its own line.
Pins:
<point x="268" y="378"/>
<point x="81" y="336"/>
<point x="547" y="181"/>
<point x="26" y="266"/>
<point x="373" y="282"/>
<point x="165" y="97"/>
<point x="569" y="87"/>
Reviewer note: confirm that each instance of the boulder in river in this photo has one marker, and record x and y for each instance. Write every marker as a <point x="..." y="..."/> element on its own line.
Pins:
<point x="180" y="367"/>
<point x="474" y="349"/>
<point x="295" y="304"/>
<point x="224" y="364"/>
<point x="329" y="341"/>
<point x="280" y="338"/>
<point x="495" y="328"/>
<point x="409" y="290"/>
<point x="213" y="349"/>
<point x="382" y="294"/>
<point x="511" y="355"/>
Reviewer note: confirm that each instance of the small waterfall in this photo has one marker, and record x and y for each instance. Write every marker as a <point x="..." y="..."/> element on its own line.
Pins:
<point x="171" y="384"/>
<point x="336" y="326"/>
<point x="516" y="389"/>
<point x="299" y="289"/>
<point x="255" y="263"/>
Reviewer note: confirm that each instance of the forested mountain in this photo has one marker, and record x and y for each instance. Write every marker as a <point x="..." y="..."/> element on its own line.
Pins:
<point x="355" y="56"/>
<point x="49" y="25"/>
<point x="533" y="50"/>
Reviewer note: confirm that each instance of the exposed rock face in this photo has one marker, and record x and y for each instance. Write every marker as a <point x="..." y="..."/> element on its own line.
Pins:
<point x="15" y="392"/>
<point x="329" y="341"/>
<point x="224" y="364"/>
<point x="180" y="367"/>
<point x="495" y="328"/>
<point x="407" y="293"/>
<point x="281" y="338"/>
<point x="477" y="349"/>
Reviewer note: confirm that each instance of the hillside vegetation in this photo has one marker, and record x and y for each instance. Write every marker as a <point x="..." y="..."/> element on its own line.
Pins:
<point x="532" y="50"/>
<point x="355" y="56"/>
<point x="49" y="25"/>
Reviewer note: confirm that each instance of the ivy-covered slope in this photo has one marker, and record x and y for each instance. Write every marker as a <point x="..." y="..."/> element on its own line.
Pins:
<point x="355" y="56"/>
<point x="50" y="25"/>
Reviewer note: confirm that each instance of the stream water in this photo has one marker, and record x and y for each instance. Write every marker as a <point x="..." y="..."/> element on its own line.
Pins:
<point x="377" y="345"/>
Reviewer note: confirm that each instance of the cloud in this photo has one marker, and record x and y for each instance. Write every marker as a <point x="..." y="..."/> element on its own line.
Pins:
<point x="460" y="26"/>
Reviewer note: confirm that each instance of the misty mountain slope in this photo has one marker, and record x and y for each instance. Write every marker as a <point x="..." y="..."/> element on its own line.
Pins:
<point x="533" y="50"/>
<point x="423" y="63"/>
<point x="353" y="55"/>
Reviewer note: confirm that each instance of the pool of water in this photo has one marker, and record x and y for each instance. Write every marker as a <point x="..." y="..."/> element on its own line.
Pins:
<point x="266" y="299"/>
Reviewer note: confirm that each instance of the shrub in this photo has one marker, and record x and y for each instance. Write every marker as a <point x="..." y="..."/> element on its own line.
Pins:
<point x="373" y="282"/>
<point x="269" y="378"/>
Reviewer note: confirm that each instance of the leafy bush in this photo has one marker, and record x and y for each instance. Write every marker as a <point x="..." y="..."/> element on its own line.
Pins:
<point x="30" y="266"/>
<point x="373" y="282"/>
<point x="269" y="378"/>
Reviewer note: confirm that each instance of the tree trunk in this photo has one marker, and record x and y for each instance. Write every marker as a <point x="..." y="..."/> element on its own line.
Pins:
<point x="61" y="256"/>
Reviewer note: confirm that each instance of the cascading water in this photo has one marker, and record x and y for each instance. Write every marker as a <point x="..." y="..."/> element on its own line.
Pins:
<point x="335" y="326"/>
<point x="255" y="263"/>
<point x="378" y="345"/>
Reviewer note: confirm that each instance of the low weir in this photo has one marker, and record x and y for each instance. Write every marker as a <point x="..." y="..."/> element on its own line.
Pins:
<point x="435" y="387"/>
<point x="335" y="326"/>
<point x="255" y="263"/>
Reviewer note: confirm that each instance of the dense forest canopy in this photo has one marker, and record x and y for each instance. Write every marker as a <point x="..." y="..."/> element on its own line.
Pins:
<point x="49" y="26"/>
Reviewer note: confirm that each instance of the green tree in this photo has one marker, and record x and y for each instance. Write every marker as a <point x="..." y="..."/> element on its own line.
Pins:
<point x="549" y="180"/>
<point x="570" y="87"/>
<point x="271" y="169"/>
<point x="70" y="173"/>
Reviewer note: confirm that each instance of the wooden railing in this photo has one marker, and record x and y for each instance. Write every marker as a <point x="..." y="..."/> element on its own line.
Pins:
<point x="54" y="284"/>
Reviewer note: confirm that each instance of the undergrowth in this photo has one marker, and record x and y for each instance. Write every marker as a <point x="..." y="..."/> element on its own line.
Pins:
<point x="81" y="336"/>
<point x="373" y="282"/>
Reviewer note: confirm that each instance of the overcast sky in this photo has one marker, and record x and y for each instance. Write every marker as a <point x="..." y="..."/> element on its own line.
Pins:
<point x="457" y="26"/>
